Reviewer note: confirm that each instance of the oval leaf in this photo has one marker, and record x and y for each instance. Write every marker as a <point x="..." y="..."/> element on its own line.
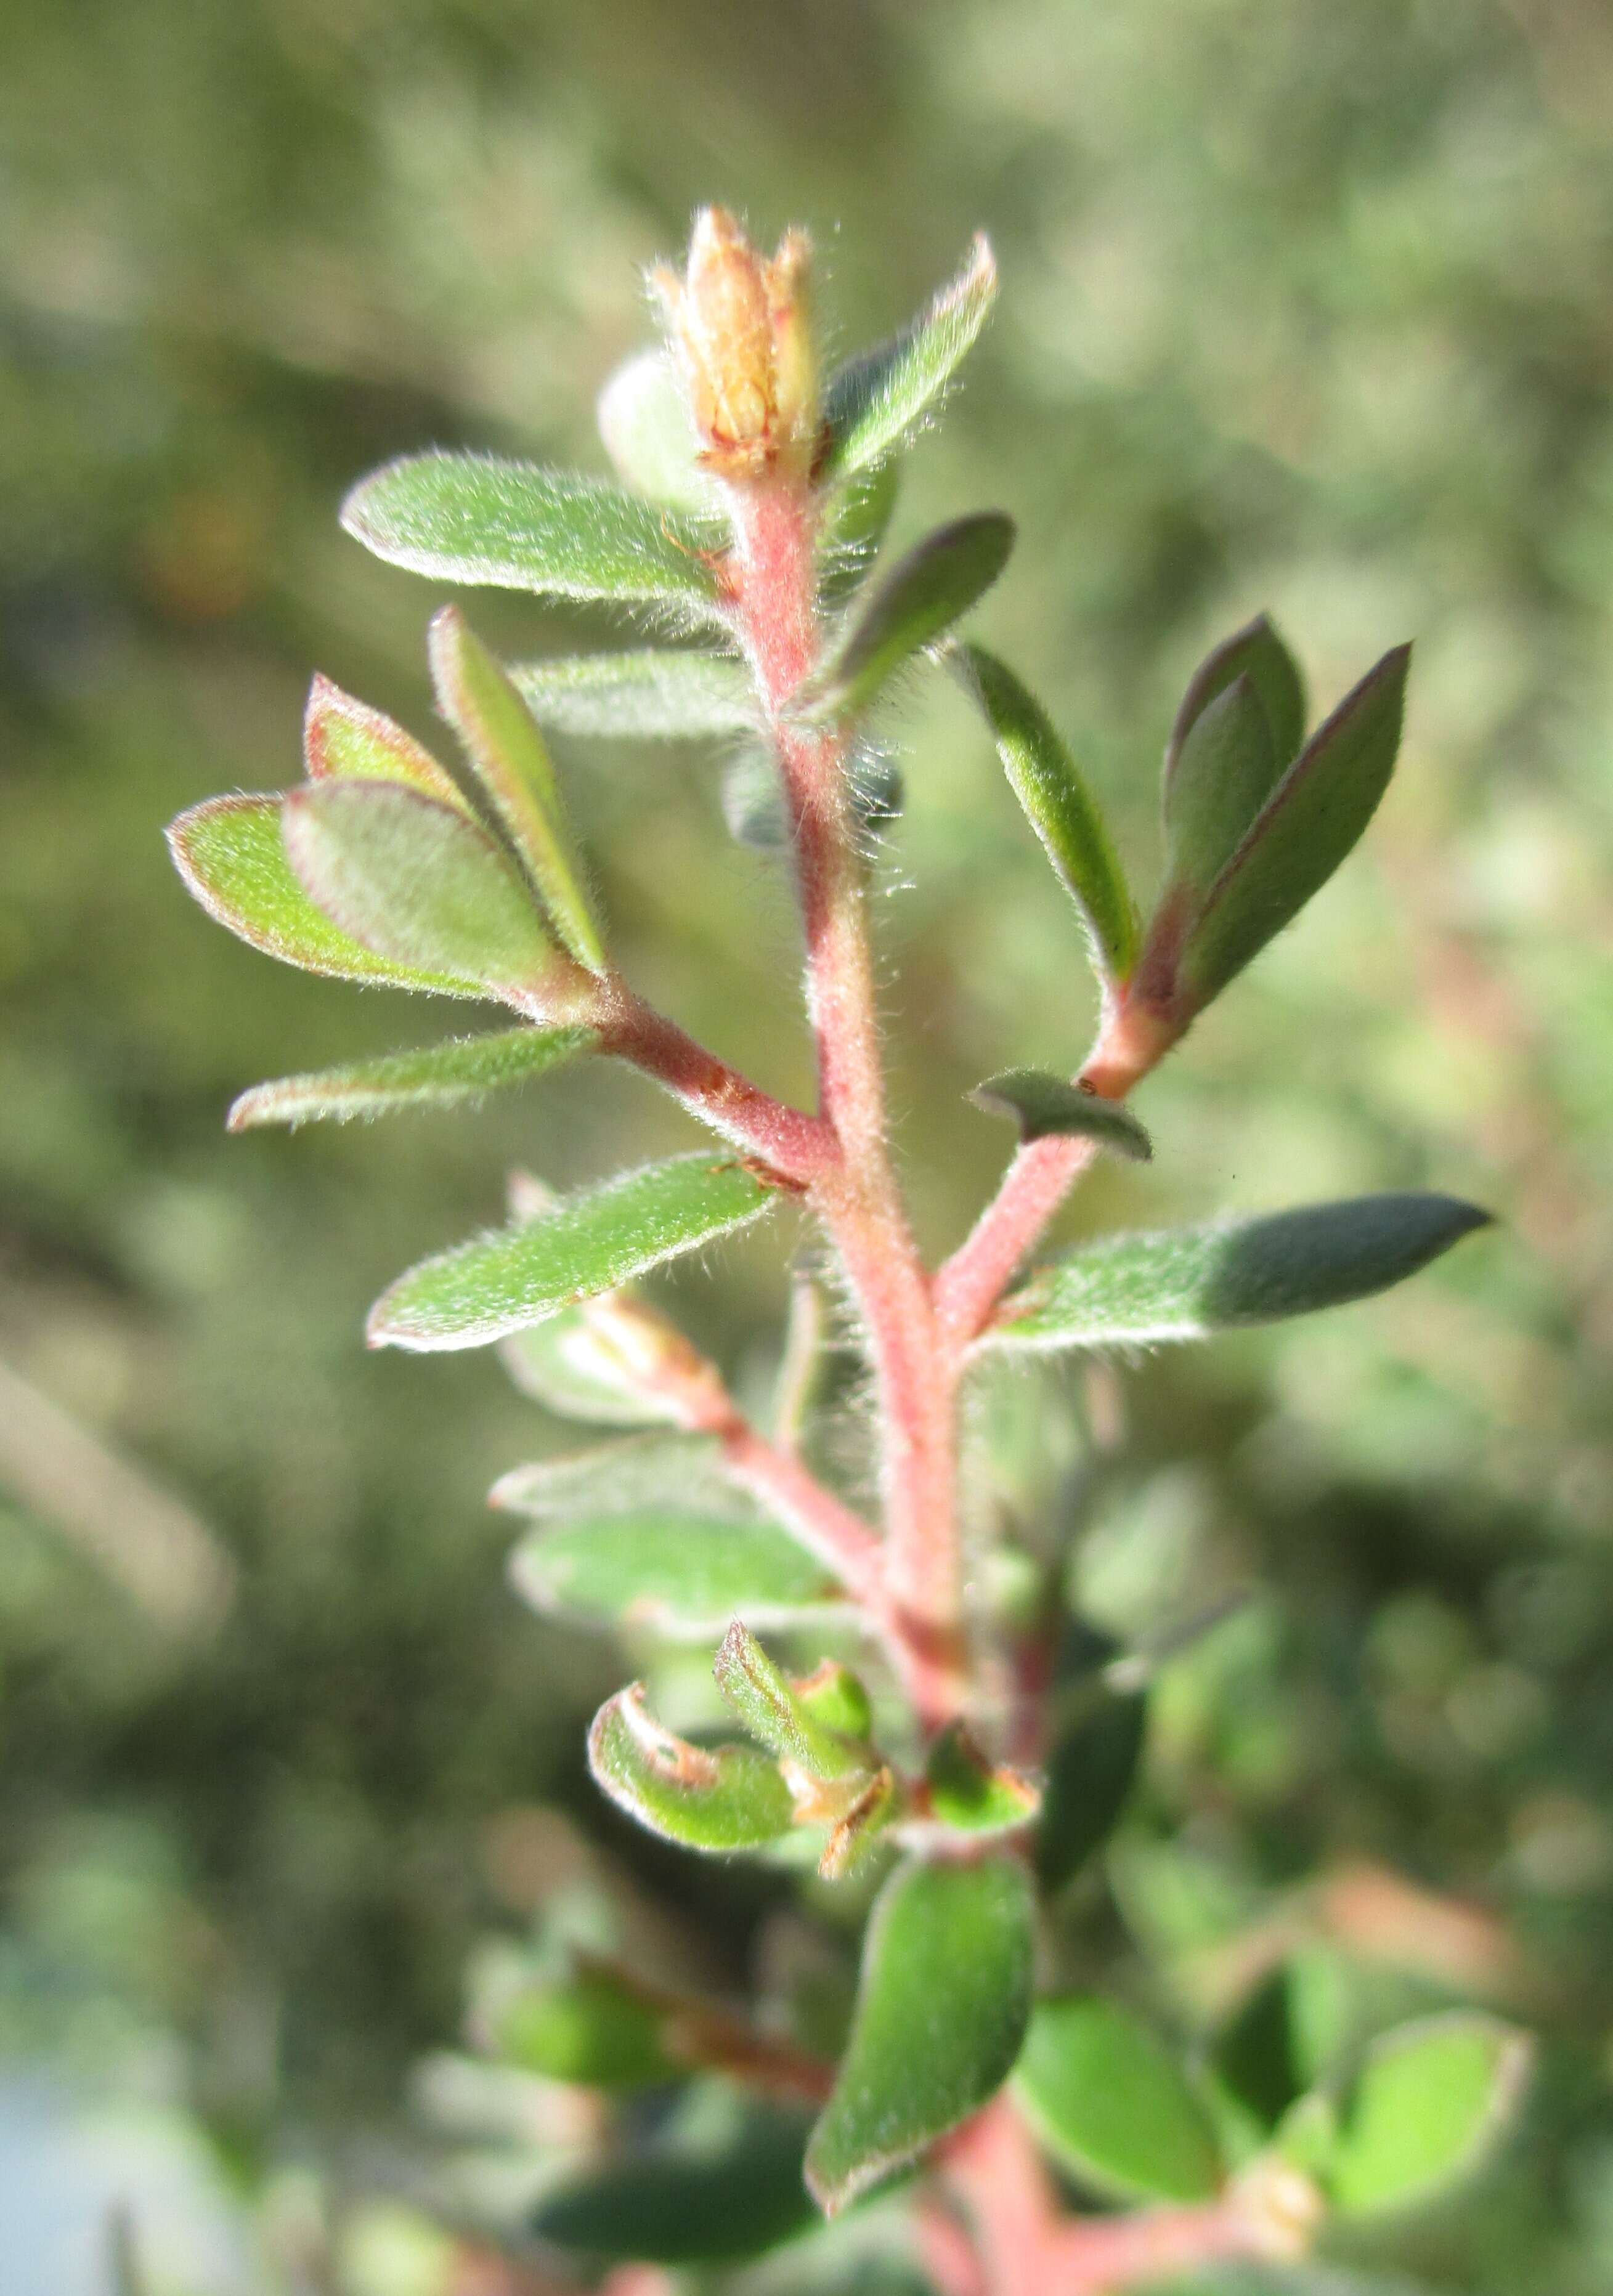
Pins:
<point x="1108" y="2100"/>
<point x="587" y="1244"/>
<point x="942" y="2006"/>
<point x="1255" y="652"/>
<point x="1060" y="808"/>
<point x="644" y="422"/>
<point x="924" y="593"/>
<point x="345" y="740"/>
<point x="683" y="2201"/>
<point x="420" y="885"/>
<point x="1224" y="776"/>
<point x="437" y="1076"/>
<point x="872" y="402"/>
<point x="1188" y="1283"/>
<point x="681" y="1574"/>
<point x="586" y="2031"/>
<point x="478" y="519"/>
<point x="504" y="745"/>
<point x="718" y="1799"/>
<point x="233" y="859"/>
<point x="656" y="695"/>
<point x="1041" y="1104"/>
<point x="1430" y="2099"/>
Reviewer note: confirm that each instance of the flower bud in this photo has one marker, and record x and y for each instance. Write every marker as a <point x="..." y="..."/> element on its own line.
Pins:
<point x="741" y="327"/>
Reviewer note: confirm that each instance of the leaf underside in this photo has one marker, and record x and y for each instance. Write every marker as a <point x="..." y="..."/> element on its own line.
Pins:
<point x="916" y="603"/>
<point x="683" y="1574"/>
<point x="653" y="694"/>
<point x="437" y="1076"/>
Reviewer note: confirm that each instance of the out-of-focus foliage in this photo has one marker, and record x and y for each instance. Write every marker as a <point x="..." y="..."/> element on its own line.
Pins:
<point x="1305" y="308"/>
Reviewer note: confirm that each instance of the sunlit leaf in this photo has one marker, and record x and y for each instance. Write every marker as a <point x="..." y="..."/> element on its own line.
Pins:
<point x="421" y="885"/>
<point x="584" y="2030"/>
<point x="1060" y="808"/>
<point x="345" y="740"/>
<point x="765" y="1702"/>
<point x="942" y="2006"/>
<point x="912" y="606"/>
<point x="970" y="1792"/>
<point x="680" y="1573"/>
<point x="872" y="402"/>
<point x="653" y="694"/>
<point x="1188" y="1283"/>
<point x="1429" y="2101"/>
<point x="480" y="519"/>
<point x="1041" y="1104"/>
<point x="715" y="2198"/>
<point x="232" y="858"/>
<point x="505" y="747"/>
<point x="856" y="518"/>
<point x="437" y="1076"/>
<point x="589" y="1242"/>
<point x="1255" y="652"/>
<point x="1109" y="2101"/>
<point x="644" y="422"/>
<point x="718" y="1799"/>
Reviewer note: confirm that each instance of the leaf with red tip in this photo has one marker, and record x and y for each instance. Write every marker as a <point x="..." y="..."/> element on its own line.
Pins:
<point x="345" y="740"/>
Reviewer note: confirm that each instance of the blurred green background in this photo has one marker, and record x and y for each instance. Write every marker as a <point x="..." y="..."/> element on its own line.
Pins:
<point x="1304" y="306"/>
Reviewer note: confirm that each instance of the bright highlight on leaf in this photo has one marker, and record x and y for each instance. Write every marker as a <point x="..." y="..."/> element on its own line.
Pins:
<point x="941" y="2007"/>
<point x="718" y="1799"/>
<point x="921" y="597"/>
<point x="1429" y="2101"/>
<point x="437" y="1076"/>
<point x="507" y="750"/>
<point x="1112" y="2106"/>
<point x="1041" y="1104"/>
<point x="589" y="1243"/>
<point x="649" y="696"/>
<point x="643" y="421"/>
<point x="855" y="519"/>
<point x="872" y="402"/>
<point x="1188" y="1283"/>
<point x="478" y="519"/>
<point x="1060" y="808"/>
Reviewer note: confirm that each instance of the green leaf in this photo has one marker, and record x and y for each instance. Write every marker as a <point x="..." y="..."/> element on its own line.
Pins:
<point x="1088" y="1782"/>
<point x="921" y="598"/>
<point x="679" y="1573"/>
<point x="233" y="859"/>
<point x="589" y="1243"/>
<point x="766" y="1705"/>
<point x="970" y="1792"/>
<point x="1307" y="827"/>
<point x="1041" y="1104"/>
<point x="1222" y="777"/>
<point x="344" y="739"/>
<point x="873" y="401"/>
<point x="1102" y="2092"/>
<point x="422" y="886"/>
<point x="718" y="1799"/>
<point x="1188" y="1283"/>
<point x="656" y="694"/>
<point x="478" y="519"/>
<point x="586" y="2030"/>
<point x="504" y="745"/>
<point x="856" y="518"/>
<point x="942" y="2005"/>
<point x="580" y="1364"/>
<point x="644" y="422"/>
<point x="1429" y="2101"/>
<point x="1060" y="808"/>
<point x="1255" y="652"/>
<point x="684" y="2200"/>
<point x="437" y="1076"/>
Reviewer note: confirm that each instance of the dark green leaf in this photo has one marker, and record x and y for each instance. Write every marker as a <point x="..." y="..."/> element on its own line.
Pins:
<point x="855" y="520"/>
<point x="1255" y="652"/>
<point x="345" y="740"/>
<point x="680" y="1573"/>
<point x="1222" y="777"/>
<point x="422" y="886"/>
<point x="970" y="1792"/>
<point x="643" y="421"/>
<point x="1089" y="1775"/>
<point x="586" y="2030"/>
<point x="1041" y="1104"/>
<point x="1060" y="808"/>
<point x="921" y="598"/>
<point x="478" y="519"/>
<point x="589" y="1243"/>
<point x="683" y="2201"/>
<point x="1188" y="1283"/>
<point x="504" y="745"/>
<point x="1429" y="2101"/>
<point x="232" y="858"/>
<point x="1110" y="2103"/>
<point x="872" y="402"/>
<point x="718" y="1799"/>
<point x="942" y="2006"/>
<point x="766" y="1703"/>
<point x="649" y="695"/>
<point x="437" y="1076"/>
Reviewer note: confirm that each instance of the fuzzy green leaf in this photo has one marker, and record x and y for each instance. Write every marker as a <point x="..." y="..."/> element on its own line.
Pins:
<point x="505" y="747"/>
<point x="1430" y="2099"/>
<point x="766" y="1704"/>
<point x="1108" y="2100"/>
<point x="437" y="1076"/>
<point x="716" y="2199"/>
<point x="644" y="422"/>
<point x="872" y="402"/>
<point x="1309" y="823"/>
<point x="718" y="1799"/>
<point x="651" y="695"/>
<point x="1060" y="808"/>
<point x="921" y="598"/>
<point x="1222" y="777"/>
<point x="856" y="518"/>
<point x="478" y="519"/>
<point x="1041" y="1104"/>
<point x="1089" y="1778"/>
<point x="942" y="2006"/>
<point x="232" y="858"/>
<point x="419" y="884"/>
<point x="1190" y="1282"/>
<point x="1255" y="652"/>
<point x="344" y="739"/>
<point x="970" y="1792"/>
<point x="679" y="1573"/>
<point x="586" y="2030"/>
<point x="589" y="1243"/>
